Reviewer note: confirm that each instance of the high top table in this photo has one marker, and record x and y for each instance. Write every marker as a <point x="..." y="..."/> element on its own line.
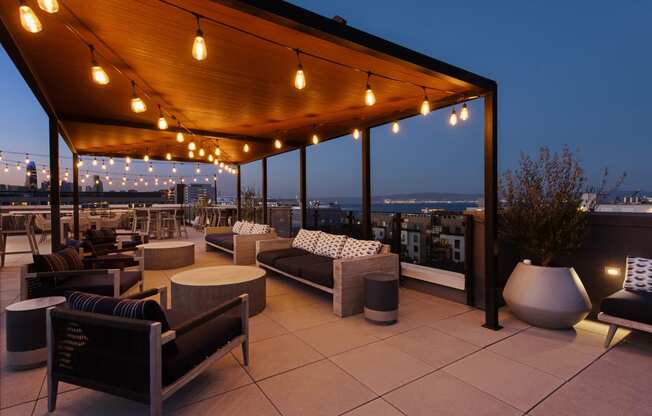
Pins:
<point x="198" y="290"/>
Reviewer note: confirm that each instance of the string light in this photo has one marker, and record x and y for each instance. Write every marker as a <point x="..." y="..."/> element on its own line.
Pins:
<point x="180" y="137"/>
<point x="0" y="155"/>
<point x="215" y="162"/>
<point x="425" y="105"/>
<point x="356" y="134"/>
<point x="395" y="127"/>
<point x="464" y="113"/>
<point x="245" y="148"/>
<point x="191" y="154"/>
<point x="300" y="76"/>
<point x="17" y="166"/>
<point x="6" y="168"/>
<point x="50" y="6"/>
<point x="103" y="165"/>
<point x="217" y="151"/>
<point x="198" y="169"/>
<point x="127" y="168"/>
<point x="174" y="168"/>
<point x="26" y="158"/>
<point x="210" y="158"/>
<point x="111" y="162"/>
<point x="168" y="156"/>
<point x="150" y="168"/>
<point x="94" y="161"/>
<point x="146" y="158"/>
<point x="192" y="146"/>
<point x="369" y="96"/>
<point x="452" y="120"/>
<point x="137" y="104"/>
<point x="222" y="164"/>
<point x="162" y="122"/>
<point x="278" y="144"/>
<point x="98" y="74"/>
<point x="28" y="19"/>
<point x="87" y="175"/>
<point x="202" y="152"/>
<point x="199" y="50"/>
<point x="128" y="160"/>
<point x="315" y="138"/>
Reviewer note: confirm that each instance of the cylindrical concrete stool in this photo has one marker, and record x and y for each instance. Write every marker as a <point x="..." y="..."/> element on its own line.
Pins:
<point x="381" y="298"/>
<point x="26" y="333"/>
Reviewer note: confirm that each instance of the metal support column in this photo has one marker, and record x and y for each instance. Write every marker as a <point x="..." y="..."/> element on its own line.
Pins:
<point x="303" y="200"/>
<point x="491" y="210"/>
<point x="55" y="197"/>
<point x="366" y="184"/>
<point x="264" y="188"/>
<point x="238" y="193"/>
<point x="75" y="196"/>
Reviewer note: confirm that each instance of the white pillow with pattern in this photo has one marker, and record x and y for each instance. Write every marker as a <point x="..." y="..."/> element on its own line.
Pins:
<point x="306" y="240"/>
<point x="237" y="226"/>
<point x="330" y="245"/>
<point x="638" y="275"/>
<point x="260" y="229"/>
<point x="359" y="248"/>
<point x="247" y="227"/>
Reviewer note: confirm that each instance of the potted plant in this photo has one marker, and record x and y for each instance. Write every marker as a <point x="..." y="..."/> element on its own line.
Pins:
<point x="544" y="215"/>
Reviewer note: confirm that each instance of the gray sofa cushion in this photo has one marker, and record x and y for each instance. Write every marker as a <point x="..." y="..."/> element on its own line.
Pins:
<point x="310" y="267"/>
<point x="270" y="257"/>
<point x="222" y="239"/>
<point x="101" y="284"/>
<point x="625" y="304"/>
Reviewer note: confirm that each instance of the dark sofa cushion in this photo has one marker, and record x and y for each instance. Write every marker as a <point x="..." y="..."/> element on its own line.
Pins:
<point x="101" y="284"/>
<point x="102" y="236"/>
<point x="311" y="263"/>
<point x="635" y="306"/>
<point x="270" y="257"/>
<point x="222" y="239"/>
<point x="195" y="346"/>
<point x="73" y="259"/>
<point x="320" y="273"/>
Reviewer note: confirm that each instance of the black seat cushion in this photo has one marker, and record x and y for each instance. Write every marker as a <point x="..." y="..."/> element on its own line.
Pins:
<point x="113" y="261"/>
<point x="195" y="346"/>
<point x="102" y="236"/>
<point x="270" y="257"/>
<point x="310" y="267"/>
<point x="221" y="239"/>
<point x="634" y="306"/>
<point x="98" y="284"/>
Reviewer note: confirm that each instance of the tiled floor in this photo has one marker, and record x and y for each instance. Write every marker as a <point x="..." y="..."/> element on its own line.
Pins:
<point x="437" y="360"/>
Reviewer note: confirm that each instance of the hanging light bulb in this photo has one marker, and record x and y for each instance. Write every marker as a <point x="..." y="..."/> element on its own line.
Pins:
<point x="137" y="105"/>
<point x="150" y="168"/>
<point x="452" y="120"/>
<point x="127" y="168"/>
<point x="198" y="169"/>
<point x="174" y="168"/>
<point x="110" y="182"/>
<point x="191" y="154"/>
<point x="146" y="158"/>
<point x="168" y="156"/>
<point x="103" y="166"/>
<point x="124" y="179"/>
<point x="315" y="138"/>
<point x="141" y="179"/>
<point x="106" y="177"/>
<point x="278" y="144"/>
<point x="162" y="122"/>
<point x="425" y="105"/>
<point x="219" y="171"/>
<point x="245" y="148"/>
<point x="50" y="6"/>
<point x="87" y="174"/>
<point x="180" y="137"/>
<point x="28" y="18"/>
<point x="192" y="146"/>
<point x="98" y="75"/>
<point x="26" y="158"/>
<point x="215" y="162"/>
<point x="202" y="152"/>
<point x="111" y="162"/>
<point x="210" y="158"/>
<point x="6" y="168"/>
<point x="94" y="161"/>
<point x="43" y="171"/>
<point x="0" y="155"/>
<point x="199" y="50"/>
<point x="128" y="160"/>
<point x="464" y="113"/>
<point x="369" y="96"/>
<point x="221" y="164"/>
<point x="17" y="166"/>
<point x="356" y="134"/>
<point x="217" y="151"/>
<point x="395" y="127"/>
<point x="299" y="77"/>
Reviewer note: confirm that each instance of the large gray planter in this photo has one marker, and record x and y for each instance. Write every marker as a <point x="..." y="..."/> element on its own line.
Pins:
<point x="549" y="297"/>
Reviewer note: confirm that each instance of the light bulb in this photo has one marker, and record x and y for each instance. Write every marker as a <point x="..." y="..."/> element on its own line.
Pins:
<point x="50" y="6"/>
<point x="98" y="74"/>
<point x="94" y="161"/>
<point x="278" y="144"/>
<point x="356" y="134"/>
<point x="217" y="151"/>
<point x="174" y="169"/>
<point x="191" y="154"/>
<point x="128" y="160"/>
<point x="87" y="175"/>
<point x="369" y="96"/>
<point x="202" y="152"/>
<point x="452" y="120"/>
<point x="199" y="50"/>
<point x="106" y="177"/>
<point x="246" y="148"/>
<point x="221" y="164"/>
<point x="162" y="123"/>
<point x="198" y="170"/>
<point x="103" y="166"/>
<point x="300" y="78"/>
<point x="26" y="158"/>
<point x="168" y="156"/>
<point x="464" y="113"/>
<point x="180" y="137"/>
<point x="6" y="168"/>
<point x="192" y="146"/>
<point x="123" y="184"/>
<point x="425" y="107"/>
<point x="110" y="182"/>
<point x="138" y="105"/>
<point x="127" y="168"/>
<point x="219" y="171"/>
<point x="150" y="168"/>
<point x="43" y="171"/>
<point x="124" y="179"/>
<point x="28" y="19"/>
<point x="395" y="127"/>
<point x="216" y="162"/>
<point x="146" y="158"/>
<point x="141" y="179"/>
<point x="194" y="179"/>
<point x="210" y="158"/>
<point x="315" y="138"/>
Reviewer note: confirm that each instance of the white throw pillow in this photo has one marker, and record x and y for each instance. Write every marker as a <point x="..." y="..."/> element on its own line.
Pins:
<point x="260" y="229"/>
<point x="306" y="240"/>
<point x="330" y="245"/>
<point x="237" y="227"/>
<point x="247" y="227"/>
<point x="359" y="248"/>
<point x="638" y="275"/>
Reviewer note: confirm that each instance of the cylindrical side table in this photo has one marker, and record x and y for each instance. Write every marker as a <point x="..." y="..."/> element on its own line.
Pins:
<point x="381" y="298"/>
<point x="26" y="333"/>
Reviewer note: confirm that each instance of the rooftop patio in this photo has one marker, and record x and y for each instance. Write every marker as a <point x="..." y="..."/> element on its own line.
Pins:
<point x="436" y="360"/>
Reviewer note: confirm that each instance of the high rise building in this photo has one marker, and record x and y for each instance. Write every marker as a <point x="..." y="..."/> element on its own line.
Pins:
<point x="31" y="181"/>
<point x="97" y="185"/>
<point x="197" y="193"/>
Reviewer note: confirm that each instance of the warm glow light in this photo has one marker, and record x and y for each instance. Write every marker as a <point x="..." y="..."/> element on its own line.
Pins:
<point x="452" y="120"/>
<point x="395" y="127"/>
<point x="98" y="74"/>
<point x="103" y="166"/>
<point x="369" y="96"/>
<point x="191" y="154"/>
<point x="246" y="148"/>
<point x="180" y="137"/>
<point x="210" y="158"/>
<point x="612" y="271"/>
<point x="278" y="144"/>
<point x="216" y="162"/>
<point x="17" y="166"/>
<point x="168" y="156"/>
<point x="315" y="138"/>
<point x="162" y="123"/>
<point x="464" y="113"/>
<point x="128" y="160"/>
<point x="356" y="134"/>
<point x="28" y="19"/>
<point x="111" y="162"/>
<point x="127" y="168"/>
<point x="198" y="170"/>
<point x="94" y="161"/>
<point x="199" y="51"/>
<point x="50" y="6"/>
<point x="300" y="78"/>
<point x="26" y="158"/>
<point x="146" y="158"/>
<point x="150" y="168"/>
<point x="221" y="164"/>
<point x="202" y="152"/>
<point x="138" y="105"/>
<point x="174" y="169"/>
<point x="425" y="107"/>
<point x="217" y="151"/>
<point x="192" y="146"/>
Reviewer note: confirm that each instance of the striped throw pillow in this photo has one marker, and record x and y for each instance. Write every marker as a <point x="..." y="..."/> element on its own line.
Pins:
<point x="72" y="258"/>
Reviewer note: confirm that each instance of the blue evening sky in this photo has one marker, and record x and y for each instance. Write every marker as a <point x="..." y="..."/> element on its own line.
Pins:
<point x="568" y="73"/>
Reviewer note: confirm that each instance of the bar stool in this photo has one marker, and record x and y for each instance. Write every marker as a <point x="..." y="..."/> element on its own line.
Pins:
<point x="381" y="298"/>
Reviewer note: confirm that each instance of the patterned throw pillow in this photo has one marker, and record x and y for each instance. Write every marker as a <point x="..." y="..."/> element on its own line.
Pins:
<point x="246" y="227"/>
<point x="260" y="229"/>
<point x="358" y="248"/>
<point x="44" y="263"/>
<point x="73" y="259"/>
<point x="330" y="245"/>
<point x="306" y="240"/>
<point x="638" y="275"/>
<point x="237" y="227"/>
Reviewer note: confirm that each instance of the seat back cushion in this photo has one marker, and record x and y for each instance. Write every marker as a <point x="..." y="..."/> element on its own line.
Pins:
<point x="145" y="309"/>
<point x="72" y="257"/>
<point x="359" y="248"/>
<point x="306" y="240"/>
<point x="261" y="229"/>
<point x="330" y="245"/>
<point x="237" y="226"/>
<point x="638" y="275"/>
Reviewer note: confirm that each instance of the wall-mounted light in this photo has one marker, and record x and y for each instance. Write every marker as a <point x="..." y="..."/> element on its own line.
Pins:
<point x="612" y="271"/>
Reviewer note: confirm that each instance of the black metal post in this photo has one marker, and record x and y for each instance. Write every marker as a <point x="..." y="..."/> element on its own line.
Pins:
<point x="75" y="196"/>
<point x="366" y="184"/>
<point x="396" y="234"/>
<point x="55" y="197"/>
<point x="264" y="188"/>
<point x="491" y="209"/>
<point x="469" y="275"/>
<point x="238" y="192"/>
<point x="303" y="200"/>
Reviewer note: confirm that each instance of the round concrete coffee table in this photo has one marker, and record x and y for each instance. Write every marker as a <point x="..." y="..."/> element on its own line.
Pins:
<point x="167" y="254"/>
<point x="26" y="333"/>
<point x="198" y="290"/>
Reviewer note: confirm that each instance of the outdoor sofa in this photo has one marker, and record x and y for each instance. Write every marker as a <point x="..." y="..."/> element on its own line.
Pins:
<point x="334" y="264"/>
<point x="137" y="349"/>
<point x="239" y="240"/>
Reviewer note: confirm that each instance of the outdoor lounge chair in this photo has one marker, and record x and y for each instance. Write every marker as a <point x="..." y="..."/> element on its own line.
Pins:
<point x="106" y="241"/>
<point x="630" y="307"/>
<point x="320" y="264"/>
<point x="239" y="240"/>
<point x="145" y="357"/>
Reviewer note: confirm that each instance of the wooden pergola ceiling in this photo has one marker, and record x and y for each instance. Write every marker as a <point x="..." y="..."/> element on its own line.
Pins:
<point x="243" y="93"/>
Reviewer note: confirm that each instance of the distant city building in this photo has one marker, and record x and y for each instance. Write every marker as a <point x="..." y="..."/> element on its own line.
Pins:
<point x="45" y="185"/>
<point x="31" y="180"/>
<point x="97" y="185"/>
<point x="66" y="186"/>
<point x="197" y="193"/>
